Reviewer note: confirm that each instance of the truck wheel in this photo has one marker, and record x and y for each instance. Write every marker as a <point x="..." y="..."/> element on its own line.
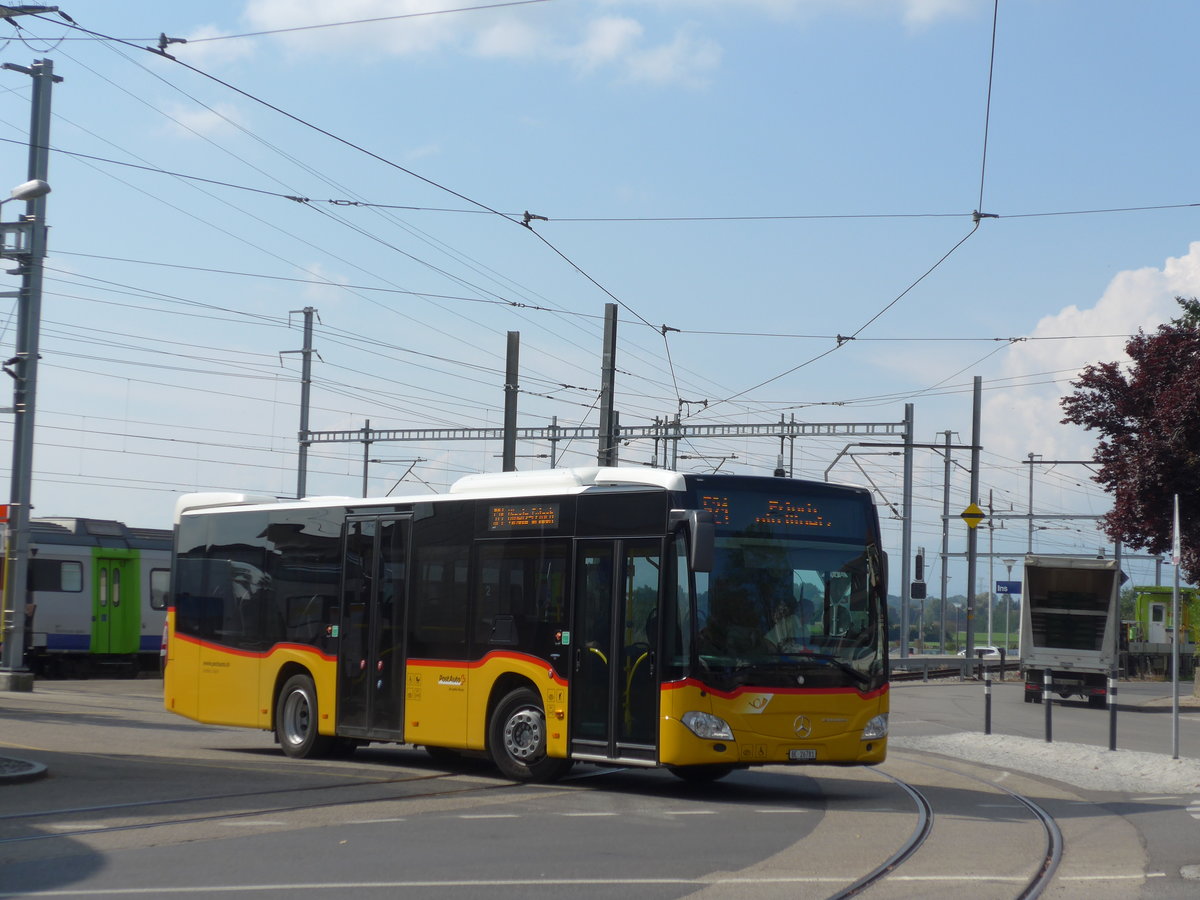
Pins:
<point x="517" y="739"/>
<point x="296" y="720"/>
<point x="1097" y="701"/>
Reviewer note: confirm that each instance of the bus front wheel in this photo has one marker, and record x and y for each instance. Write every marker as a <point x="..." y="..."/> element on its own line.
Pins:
<point x="517" y="739"/>
<point x="296" y="720"/>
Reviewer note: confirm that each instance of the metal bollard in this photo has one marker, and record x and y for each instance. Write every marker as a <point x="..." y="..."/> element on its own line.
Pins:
<point x="987" y="701"/>
<point x="1047" y="679"/>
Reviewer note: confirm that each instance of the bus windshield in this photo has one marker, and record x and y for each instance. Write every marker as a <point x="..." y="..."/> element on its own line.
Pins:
<point x="795" y="592"/>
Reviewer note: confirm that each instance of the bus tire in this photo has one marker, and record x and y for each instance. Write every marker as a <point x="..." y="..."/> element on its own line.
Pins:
<point x="702" y="774"/>
<point x="296" y="719"/>
<point x="517" y="739"/>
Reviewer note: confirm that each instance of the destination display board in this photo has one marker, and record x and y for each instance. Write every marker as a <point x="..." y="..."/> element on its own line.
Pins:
<point x="522" y="516"/>
<point x="765" y="513"/>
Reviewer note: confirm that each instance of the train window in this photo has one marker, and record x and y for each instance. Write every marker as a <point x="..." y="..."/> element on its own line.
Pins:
<point x="55" y="575"/>
<point x="160" y="581"/>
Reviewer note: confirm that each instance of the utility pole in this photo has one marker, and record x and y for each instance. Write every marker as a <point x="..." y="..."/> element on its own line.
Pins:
<point x="972" y="533"/>
<point x="991" y="559"/>
<point x="945" y="578"/>
<point x="607" y="453"/>
<point x="1029" y="546"/>
<point x="906" y="533"/>
<point x="23" y="369"/>
<point x="305" y="391"/>
<point x="366" y="442"/>
<point x="511" y="389"/>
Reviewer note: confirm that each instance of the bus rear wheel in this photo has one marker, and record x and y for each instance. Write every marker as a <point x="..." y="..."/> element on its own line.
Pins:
<point x="517" y="739"/>
<point x="296" y="720"/>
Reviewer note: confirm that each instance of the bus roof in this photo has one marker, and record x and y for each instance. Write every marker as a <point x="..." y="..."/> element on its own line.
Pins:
<point x="538" y="482"/>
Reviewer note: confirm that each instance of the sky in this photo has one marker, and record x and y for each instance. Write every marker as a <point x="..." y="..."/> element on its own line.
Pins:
<point x="779" y="195"/>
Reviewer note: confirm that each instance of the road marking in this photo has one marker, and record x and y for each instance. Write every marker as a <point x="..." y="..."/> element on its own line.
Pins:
<point x="374" y="821"/>
<point x="691" y="812"/>
<point x="253" y="823"/>
<point x="775" y="812"/>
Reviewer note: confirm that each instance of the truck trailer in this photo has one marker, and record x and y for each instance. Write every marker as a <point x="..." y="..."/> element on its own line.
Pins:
<point x="1069" y="626"/>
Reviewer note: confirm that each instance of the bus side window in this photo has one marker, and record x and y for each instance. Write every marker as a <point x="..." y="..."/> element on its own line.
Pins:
<point x="439" y="621"/>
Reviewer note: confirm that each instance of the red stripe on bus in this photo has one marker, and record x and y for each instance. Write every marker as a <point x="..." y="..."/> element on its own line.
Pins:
<point x="252" y="654"/>
<point x="492" y="655"/>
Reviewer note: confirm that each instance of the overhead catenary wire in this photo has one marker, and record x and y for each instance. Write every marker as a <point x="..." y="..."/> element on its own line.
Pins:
<point x="517" y="216"/>
<point x="863" y="338"/>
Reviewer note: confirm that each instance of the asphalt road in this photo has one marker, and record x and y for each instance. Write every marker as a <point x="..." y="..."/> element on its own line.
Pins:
<point x="140" y="801"/>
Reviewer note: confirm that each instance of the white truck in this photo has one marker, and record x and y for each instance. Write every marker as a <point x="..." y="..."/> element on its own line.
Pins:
<point x="1069" y="626"/>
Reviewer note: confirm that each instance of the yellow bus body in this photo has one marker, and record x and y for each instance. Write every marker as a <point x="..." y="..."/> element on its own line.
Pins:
<point x="448" y="704"/>
<point x="766" y="726"/>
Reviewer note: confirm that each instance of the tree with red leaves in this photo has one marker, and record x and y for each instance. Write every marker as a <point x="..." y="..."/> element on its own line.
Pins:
<point x="1147" y="415"/>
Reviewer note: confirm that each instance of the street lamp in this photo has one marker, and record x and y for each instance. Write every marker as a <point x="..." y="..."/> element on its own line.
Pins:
<point x="29" y="190"/>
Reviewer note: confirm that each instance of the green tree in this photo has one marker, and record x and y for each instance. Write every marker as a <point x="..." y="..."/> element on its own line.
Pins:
<point x="1147" y="416"/>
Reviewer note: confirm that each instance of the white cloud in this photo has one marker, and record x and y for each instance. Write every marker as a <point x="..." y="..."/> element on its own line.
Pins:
<point x="423" y="152"/>
<point x="198" y="121"/>
<point x="926" y="12"/>
<point x="508" y="39"/>
<point x="912" y="12"/>
<point x="685" y="60"/>
<point x="421" y="31"/>
<point x="643" y="41"/>
<point x="328" y="294"/>
<point x="618" y="45"/>
<point x="1026" y="420"/>
<point x="607" y="40"/>
<point x="202" y="50"/>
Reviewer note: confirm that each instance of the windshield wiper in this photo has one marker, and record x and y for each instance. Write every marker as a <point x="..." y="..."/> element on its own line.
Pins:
<point x="835" y="663"/>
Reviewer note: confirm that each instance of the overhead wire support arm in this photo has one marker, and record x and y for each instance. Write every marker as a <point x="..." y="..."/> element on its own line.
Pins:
<point x="164" y="42"/>
<point x="8" y="12"/>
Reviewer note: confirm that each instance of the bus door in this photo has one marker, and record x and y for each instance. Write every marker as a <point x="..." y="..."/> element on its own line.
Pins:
<point x="116" y="618"/>
<point x="614" y="671"/>
<point x="371" y="639"/>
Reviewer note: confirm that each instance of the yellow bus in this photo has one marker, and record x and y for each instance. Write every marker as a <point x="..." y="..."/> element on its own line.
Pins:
<point x="615" y="616"/>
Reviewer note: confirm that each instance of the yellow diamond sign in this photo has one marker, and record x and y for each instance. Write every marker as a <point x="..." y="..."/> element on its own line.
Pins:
<point x="972" y="515"/>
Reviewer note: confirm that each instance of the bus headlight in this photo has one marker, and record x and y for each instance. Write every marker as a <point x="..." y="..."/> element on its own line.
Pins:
<point x="707" y="726"/>
<point x="876" y="728"/>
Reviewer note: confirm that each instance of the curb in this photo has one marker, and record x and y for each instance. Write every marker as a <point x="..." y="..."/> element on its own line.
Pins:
<point x="15" y="771"/>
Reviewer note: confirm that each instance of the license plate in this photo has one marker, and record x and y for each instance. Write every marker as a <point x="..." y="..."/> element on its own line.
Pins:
<point x="797" y="755"/>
